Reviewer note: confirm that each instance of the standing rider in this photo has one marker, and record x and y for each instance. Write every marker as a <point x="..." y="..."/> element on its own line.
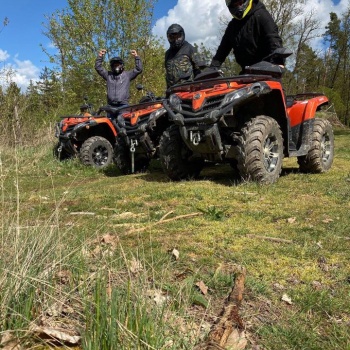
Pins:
<point x="252" y="34"/>
<point x="180" y="58"/>
<point x="118" y="80"/>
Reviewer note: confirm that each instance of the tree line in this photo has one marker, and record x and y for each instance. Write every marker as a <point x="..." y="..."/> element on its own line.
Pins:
<point x="85" y="26"/>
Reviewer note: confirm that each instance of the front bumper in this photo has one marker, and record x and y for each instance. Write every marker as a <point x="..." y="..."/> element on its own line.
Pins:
<point x="200" y="130"/>
<point x="140" y="134"/>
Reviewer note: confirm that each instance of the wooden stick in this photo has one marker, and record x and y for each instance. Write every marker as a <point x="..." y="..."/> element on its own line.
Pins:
<point x="162" y="221"/>
<point x="167" y="214"/>
<point x="273" y="239"/>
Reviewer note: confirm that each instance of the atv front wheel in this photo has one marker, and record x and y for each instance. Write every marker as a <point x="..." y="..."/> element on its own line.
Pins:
<point x="260" y="149"/>
<point x="320" y="156"/>
<point x="122" y="159"/>
<point x="175" y="156"/>
<point x="97" y="152"/>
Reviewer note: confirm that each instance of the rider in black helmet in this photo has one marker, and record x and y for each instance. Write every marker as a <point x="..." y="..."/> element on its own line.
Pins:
<point x="176" y="36"/>
<point x="180" y="58"/>
<point x="118" y="80"/>
<point x="252" y="34"/>
<point x="117" y="65"/>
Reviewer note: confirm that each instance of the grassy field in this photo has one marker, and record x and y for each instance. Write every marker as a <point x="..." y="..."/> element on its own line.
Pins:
<point x="98" y="260"/>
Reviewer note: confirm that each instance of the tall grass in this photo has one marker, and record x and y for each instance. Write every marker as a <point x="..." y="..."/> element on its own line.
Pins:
<point x="89" y="254"/>
<point x="52" y="279"/>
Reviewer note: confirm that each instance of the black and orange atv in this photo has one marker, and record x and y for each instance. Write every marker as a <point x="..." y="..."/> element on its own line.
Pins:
<point x="139" y="128"/>
<point x="90" y="136"/>
<point x="245" y="121"/>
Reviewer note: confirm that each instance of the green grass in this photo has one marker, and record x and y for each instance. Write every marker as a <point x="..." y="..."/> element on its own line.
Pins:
<point x="89" y="252"/>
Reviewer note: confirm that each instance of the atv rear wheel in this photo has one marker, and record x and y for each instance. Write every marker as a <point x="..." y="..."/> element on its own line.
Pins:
<point x="122" y="159"/>
<point x="260" y="149"/>
<point x="60" y="153"/>
<point x="320" y="156"/>
<point x="175" y="156"/>
<point x="97" y="152"/>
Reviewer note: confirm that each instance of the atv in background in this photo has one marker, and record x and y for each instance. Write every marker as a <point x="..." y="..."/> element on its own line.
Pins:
<point x="139" y="129"/>
<point x="245" y="121"/>
<point x="89" y="135"/>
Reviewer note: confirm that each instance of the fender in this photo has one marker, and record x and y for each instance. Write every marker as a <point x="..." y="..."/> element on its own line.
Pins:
<point x="302" y="111"/>
<point x="133" y="114"/>
<point x="108" y="122"/>
<point x="302" y="116"/>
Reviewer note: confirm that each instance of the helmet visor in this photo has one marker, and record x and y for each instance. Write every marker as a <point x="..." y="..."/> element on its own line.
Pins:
<point x="172" y="37"/>
<point x="235" y="3"/>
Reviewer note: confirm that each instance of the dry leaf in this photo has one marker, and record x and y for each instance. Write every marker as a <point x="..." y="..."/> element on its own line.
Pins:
<point x="62" y="335"/>
<point x="287" y="299"/>
<point x="278" y="286"/>
<point x="127" y="215"/>
<point x="97" y="251"/>
<point x="135" y="266"/>
<point x="176" y="254"/>
<point x="292" y="220"/>
<point x="236" y="341"/>
<point x="110" y="240"/>
<point x="202" y="287"/>
<point x="64" y="276"/>
<point x="317" y="285"/>
<point x="327" y="221"/>
<point x="8" y="342"/>
<point x="157" y="296"/>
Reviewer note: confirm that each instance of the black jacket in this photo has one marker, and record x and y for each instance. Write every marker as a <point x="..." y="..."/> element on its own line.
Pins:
<point x="252" y="38"/>
<point x="118" y="85"/>
<point x="180" y="64"/>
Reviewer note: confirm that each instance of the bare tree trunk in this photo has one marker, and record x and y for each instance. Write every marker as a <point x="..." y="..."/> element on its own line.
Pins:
<point x="17" y="127"/>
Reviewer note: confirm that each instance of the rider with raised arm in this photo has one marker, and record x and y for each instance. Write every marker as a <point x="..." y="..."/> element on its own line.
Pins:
<point x="118" y="80"/>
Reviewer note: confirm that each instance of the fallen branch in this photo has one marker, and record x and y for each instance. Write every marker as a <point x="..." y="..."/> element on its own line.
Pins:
<point x="228" y="331"/>
<point x="273" y="239"/>
<point x="162" y="221"/>
<point x="82" y="213"/>
<point x="166" y="215"/>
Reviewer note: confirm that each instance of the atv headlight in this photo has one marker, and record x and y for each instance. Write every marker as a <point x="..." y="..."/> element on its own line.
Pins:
<point x="175" y="102"/>
<point x="157" y="113"/>
<point x="234" y="96"/>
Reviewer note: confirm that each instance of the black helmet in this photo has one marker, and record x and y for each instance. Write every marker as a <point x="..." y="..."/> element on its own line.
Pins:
<point x="117" y="65"/>
<point x="239" y="8"/>
<point x="176" y="36"/>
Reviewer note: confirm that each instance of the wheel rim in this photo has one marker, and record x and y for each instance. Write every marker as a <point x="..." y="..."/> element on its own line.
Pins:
<point x="271" y="153"/>
<point x="100" y="155"/>
<point x="325" y="148"/>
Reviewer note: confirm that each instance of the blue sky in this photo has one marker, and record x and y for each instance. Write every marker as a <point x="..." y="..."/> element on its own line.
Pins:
<point x="22" y="37"/>
<point x="20" y="40"/>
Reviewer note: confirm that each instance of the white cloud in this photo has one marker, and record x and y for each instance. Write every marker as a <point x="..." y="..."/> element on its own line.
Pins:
<point x="17" y="71"/>
<point x="24" y="72"/>
<point x="200" y="19"/>
<point x="3" y="55"/>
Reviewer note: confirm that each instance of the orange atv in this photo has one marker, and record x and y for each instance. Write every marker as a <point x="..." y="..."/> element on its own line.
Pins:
<point x="245" y="121"/>
<point x="90" y="136"/>
<point x="139" y="129"/>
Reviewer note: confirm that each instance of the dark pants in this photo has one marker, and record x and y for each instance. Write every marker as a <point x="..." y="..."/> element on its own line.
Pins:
<point x="111" y="115"/>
